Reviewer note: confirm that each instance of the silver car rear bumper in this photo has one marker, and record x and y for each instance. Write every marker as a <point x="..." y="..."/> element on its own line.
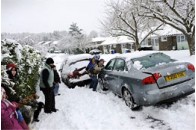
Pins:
<point x="155" y="96"/>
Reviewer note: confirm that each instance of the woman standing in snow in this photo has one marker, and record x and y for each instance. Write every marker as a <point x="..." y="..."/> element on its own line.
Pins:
<point x="12" y="72"/>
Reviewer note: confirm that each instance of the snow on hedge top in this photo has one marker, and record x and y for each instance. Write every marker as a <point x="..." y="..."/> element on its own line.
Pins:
<point x="10" y="41"/>
<point x="10" y="45"/>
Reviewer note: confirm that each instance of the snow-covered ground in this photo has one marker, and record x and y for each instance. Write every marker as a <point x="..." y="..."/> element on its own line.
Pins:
<point x="83" y="109"/>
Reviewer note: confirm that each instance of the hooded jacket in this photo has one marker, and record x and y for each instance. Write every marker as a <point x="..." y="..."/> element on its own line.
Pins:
<point x="8" y="117"/>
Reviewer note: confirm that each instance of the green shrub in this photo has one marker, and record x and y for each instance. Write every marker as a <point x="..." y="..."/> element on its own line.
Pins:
<point x="28" y="61"/>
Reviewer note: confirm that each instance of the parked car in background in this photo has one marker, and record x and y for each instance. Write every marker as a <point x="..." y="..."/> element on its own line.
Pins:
<point x="72" y="63"/>
<point x="148" y="79"/>
<point x="95" y="52"/>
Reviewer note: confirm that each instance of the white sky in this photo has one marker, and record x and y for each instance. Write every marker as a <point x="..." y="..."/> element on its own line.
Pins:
<point x="49" y="15"/>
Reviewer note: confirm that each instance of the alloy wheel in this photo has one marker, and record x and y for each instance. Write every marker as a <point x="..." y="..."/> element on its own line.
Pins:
<point x="128" y="99"/>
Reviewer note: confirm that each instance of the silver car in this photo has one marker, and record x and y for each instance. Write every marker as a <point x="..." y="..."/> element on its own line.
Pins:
<point x="72" y="63"/>
<point x="148" y="80"/>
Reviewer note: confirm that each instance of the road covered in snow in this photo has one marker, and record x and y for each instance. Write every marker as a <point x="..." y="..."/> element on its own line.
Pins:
<point x="83" y="109"/>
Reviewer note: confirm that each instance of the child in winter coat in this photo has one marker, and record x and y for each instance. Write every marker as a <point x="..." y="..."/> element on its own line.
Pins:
<point x="10" y="118"/>
<point x="56" y="81"/>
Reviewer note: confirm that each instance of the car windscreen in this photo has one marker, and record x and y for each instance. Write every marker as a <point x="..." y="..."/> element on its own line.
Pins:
<point x="78" y="64"/>
<point x="151" y="60"/>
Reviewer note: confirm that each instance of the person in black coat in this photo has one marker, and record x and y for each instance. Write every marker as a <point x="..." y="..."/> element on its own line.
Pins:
<point x="46" y="86"/>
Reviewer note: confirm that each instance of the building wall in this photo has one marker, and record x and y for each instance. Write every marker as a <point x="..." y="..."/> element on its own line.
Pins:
<point x="101" y="49"/>
<point x="182" y="43"/>
<point x="169" y="44"/>
<point x="118" y="48"/>
<point x="126" y="48"/>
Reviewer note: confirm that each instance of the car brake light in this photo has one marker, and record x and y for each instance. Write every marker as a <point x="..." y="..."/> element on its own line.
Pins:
<point x="191" y="67"/>
<point x="151" y="79"/>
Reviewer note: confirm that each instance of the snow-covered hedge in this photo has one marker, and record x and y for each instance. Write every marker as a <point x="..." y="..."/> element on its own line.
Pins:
<point x="28" y="61"/>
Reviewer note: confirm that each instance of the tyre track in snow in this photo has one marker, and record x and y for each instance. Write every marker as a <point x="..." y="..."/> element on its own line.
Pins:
<point x="162" y="123"/>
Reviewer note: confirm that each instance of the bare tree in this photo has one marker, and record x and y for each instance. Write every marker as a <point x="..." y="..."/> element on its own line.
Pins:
<point x="93" y="34"/>
<point x="123" y="19"/>
<point x="180" y="14"/>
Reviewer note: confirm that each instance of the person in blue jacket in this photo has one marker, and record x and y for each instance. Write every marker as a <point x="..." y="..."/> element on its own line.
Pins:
<point x="91" y="69"/>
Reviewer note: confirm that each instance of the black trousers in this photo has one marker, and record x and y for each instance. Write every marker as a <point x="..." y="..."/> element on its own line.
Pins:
<point x="49" y="99"/>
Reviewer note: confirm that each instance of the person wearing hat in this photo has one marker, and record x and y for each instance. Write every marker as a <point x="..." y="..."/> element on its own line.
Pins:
<point x="11" y="70"/>
<point x="10" y="82"/>
<point x="94" y="70"/>
<point x="46" y="86"/>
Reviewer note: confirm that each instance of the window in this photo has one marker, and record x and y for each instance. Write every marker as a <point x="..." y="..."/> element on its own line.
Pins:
<point x="110" y="64"/>
<point x="155" y="42"/>
<point x="124" y="45"/>
<point x="181" y="38"/>
<point x="119" y="65"/>
<point x="144" y="42"/>
<point x="163" y="39"/>
<point x="152" y="60"/>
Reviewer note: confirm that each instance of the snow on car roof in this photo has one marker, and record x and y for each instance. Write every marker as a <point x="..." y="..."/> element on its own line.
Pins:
<point x="73" y="58"/>
<point x="135" y="54"/>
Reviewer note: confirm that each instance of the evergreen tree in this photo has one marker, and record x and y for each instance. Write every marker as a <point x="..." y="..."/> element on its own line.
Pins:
<point x="74" y="30"/>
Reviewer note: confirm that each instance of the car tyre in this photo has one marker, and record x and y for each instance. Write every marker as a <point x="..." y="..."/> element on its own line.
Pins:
<point x="101" y="84"/>
<point x="129" y="101"/>
<point x="69" y="85"/>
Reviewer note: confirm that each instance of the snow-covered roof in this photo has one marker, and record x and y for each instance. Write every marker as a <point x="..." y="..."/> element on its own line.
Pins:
<point x="166" y="30"/>
<point x="41" y="42"/>
<point x="117" y="40"/>
<point x="55" y="42"/>
<point x="98" y="39"/>
<point x="48" y="42"/>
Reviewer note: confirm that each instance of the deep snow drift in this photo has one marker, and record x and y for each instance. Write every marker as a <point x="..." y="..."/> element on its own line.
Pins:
<point x="83" y="109"/>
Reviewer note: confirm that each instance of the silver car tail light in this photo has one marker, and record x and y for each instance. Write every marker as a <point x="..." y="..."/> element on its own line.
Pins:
<point x="191" y="67"/>
<point x="151" y="79"/>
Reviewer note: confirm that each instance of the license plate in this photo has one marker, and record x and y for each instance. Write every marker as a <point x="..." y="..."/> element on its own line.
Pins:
<point x="175" y="76"/>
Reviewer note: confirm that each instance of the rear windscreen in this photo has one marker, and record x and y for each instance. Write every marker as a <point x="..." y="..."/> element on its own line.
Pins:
<point x="79" y="64"/>
<point x="151" y="60"/>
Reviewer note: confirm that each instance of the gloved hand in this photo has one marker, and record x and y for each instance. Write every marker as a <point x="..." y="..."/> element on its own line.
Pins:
<point x="20" y="117"/>
<point x="15" y="104"/>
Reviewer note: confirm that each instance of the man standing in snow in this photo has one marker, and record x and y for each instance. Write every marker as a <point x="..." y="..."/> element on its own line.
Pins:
<point x="46" y="86"/>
